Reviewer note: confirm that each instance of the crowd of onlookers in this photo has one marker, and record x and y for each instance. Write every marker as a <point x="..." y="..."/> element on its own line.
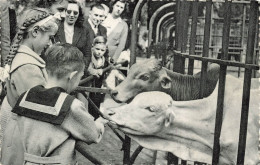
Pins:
<point x="53" y="48"/>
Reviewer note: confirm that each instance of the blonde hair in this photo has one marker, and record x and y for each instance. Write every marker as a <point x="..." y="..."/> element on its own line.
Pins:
<point x="99" y="40"/>
<point x="29" y="19"/>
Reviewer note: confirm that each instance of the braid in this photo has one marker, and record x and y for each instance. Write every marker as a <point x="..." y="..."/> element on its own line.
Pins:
<point x="21" y="34"/>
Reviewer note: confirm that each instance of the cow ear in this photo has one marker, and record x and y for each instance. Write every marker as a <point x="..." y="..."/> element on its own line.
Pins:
<point x="166" y="82"/>
<point x="169" y="118"/>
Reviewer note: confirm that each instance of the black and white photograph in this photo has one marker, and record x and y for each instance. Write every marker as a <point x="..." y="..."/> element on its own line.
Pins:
<point x="129" y="82"/>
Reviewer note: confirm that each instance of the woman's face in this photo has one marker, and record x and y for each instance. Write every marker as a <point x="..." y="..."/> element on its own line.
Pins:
<point x="72" y="13"/>
<point x="118" y="8"/>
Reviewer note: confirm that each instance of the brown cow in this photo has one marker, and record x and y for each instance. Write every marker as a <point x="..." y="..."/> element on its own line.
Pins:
<point x="149" y="75"/>
<point x="186" y="128"/>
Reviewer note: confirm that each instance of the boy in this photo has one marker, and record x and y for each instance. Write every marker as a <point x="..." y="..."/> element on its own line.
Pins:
<point x="96" y="66"/>
<point x="46" y="121"/>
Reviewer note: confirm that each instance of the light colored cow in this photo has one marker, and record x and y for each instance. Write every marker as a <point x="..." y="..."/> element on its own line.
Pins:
<point x="149" y="75"/>
<point x="186" y="128"/>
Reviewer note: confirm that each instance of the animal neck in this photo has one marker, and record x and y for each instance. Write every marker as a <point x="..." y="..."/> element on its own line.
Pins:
<point x="184" y="87"/>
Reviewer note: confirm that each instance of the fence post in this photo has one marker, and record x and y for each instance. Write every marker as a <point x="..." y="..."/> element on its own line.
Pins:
<point x="206" y="44"/>
<point x="193" y="36"/>
<point x="222" y="80"/>
<point x="134" y="32"/>
<point x="247" y="81"/>
<point x="179" y="35"/>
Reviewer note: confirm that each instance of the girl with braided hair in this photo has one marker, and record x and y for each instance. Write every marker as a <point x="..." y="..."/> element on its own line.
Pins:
<point x="25" y="66"/>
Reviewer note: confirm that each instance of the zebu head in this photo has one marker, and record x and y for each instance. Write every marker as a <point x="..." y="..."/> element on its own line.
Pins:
<point x="147" y="114"/>
<point x="145" y="76"/>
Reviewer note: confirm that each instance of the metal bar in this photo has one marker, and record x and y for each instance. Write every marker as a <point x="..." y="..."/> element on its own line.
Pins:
<point x="247" y="81"/>
<point x="136" y="15"/>
<point x="206" y="44"/>
<point x="134" y="32"/>
<point x="91" y="89"/>
<point x="218" y="61"/>
<point x="195" y="6"/>
<point x="206" y="39"/>
<point x="81" y="148"/>
<point x="222" y="81"/>
<point x="256" y="53"/>
<point x="242" y="33"/>
<point x="178" y="22"/>
<point x="1" y="53"/>
<point x="108" y="68"/>
<point x="149" y="49"/>
<point x="222" y="1"/>
<point x="185" y="19"/>
<point x="172" y="159"/>
<point x="102" y="115"/>
<point x="152" y="20"/>
<point x="135" y="154"/>
<point x="117" y="134"/>
<point x="160" y="24"/>
<point x="177" y="66"/>
<point x="126" y="147"/>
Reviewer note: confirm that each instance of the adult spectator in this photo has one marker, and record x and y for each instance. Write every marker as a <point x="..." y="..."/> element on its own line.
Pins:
<point x="93" y="25"/>
<point x="72" y="31"/>
<point x="54" y="6"/>
<point x="117" y="29"/>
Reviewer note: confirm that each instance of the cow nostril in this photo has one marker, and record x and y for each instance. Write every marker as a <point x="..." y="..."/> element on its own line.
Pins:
<point x="111" y="113"/>
<point x="114" y="92"/>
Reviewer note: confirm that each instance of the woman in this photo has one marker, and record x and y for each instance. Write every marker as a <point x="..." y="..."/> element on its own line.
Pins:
<point x="117" y="29"/>
<point x="72" y="31"/>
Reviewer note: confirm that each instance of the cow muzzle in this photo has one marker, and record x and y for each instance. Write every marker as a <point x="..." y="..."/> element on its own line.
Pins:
<point x="114" y="94"/>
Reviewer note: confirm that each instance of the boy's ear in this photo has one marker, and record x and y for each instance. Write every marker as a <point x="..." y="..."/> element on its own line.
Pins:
<point x="35" y="31"/>
<point x="72" y="74"/>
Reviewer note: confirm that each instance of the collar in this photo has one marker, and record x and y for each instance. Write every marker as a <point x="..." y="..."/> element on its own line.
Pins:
<point x="92" y="25"/>
<point x="95" y="61"/>
<point x="25" y="49"/>
<point x="47" y="105"/>
<point x="26" y="55"/>
<point x="119" y="19"/>
<point x="68" y="27"/>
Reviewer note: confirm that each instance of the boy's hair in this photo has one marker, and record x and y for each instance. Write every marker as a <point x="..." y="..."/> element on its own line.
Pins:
<point x="62" y="59"/>
<point x="99" y="40"/>
<point x="28" y="20"/>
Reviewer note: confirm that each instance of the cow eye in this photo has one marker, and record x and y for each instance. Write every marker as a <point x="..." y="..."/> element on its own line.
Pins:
<point x="151" y="109"/>
<point x="144" y="77"/>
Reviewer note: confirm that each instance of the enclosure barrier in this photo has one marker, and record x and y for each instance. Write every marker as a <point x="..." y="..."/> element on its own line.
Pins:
<point x="180" y="55"/>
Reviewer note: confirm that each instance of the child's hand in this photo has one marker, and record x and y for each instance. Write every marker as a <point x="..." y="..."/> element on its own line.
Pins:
<point x="100" y="122"/>
<point x="100" y="72"/>
<point x="96" y="75"/>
